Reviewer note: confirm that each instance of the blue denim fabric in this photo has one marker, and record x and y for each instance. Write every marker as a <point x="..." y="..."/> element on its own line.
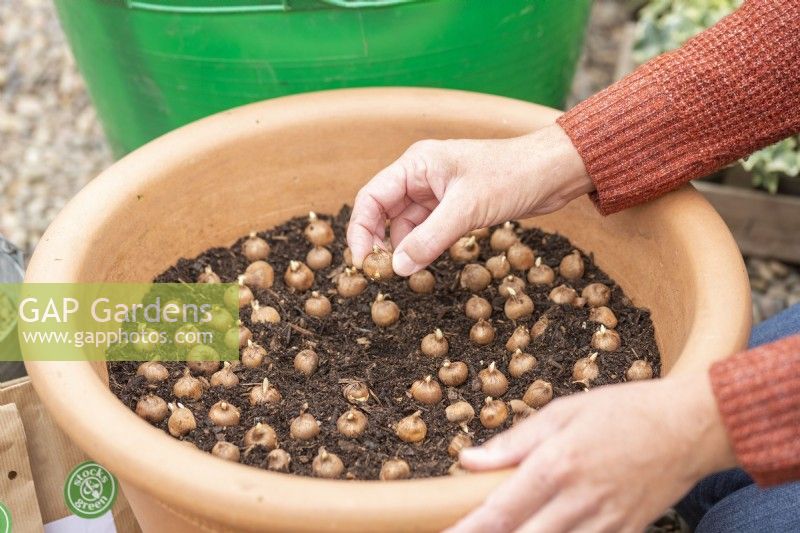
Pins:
<point x="784" y="324"/>
<point x="729" y="501"/>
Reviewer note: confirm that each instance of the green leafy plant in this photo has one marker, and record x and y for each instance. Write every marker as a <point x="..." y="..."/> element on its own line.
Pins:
<point x="772" y="163"/>
<point x="664" y="25"/>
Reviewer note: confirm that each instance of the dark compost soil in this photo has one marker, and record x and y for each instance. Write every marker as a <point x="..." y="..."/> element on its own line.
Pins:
<point x="350" y="346"/>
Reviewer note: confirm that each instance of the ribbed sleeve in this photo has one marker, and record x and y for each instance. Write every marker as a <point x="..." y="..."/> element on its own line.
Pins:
<point x="758" y="395"/>
<point x="731" y="90"/>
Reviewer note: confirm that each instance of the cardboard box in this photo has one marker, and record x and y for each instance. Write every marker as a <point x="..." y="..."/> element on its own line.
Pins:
<point x="35" y="460"/>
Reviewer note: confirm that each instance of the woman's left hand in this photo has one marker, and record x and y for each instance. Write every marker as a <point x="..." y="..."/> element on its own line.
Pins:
<point x="611" y="459"/>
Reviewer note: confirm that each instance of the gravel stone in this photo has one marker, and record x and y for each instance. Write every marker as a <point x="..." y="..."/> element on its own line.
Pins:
<point x="605" y="37"/>
<point x="50" y="141"/>
<point x="775" y="286"/>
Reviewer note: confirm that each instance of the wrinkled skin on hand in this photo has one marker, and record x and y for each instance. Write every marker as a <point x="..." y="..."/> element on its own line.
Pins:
<point x="612" y="459"/>
<point x="439" y="190"/>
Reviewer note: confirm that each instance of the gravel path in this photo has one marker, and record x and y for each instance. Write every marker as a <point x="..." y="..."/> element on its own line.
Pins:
<point x="602" y="45"/>
<point x="51" y="143"/>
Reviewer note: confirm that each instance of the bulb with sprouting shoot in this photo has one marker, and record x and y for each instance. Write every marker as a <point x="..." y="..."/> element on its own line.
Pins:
<point x="605" y="339"/>
<point x="434" y="344"/>
<point x="465" y="249"/>
<point x="318" y="232"/>
<point x="384" y="312"/>
<point x="254" y="248"/>
<point x="378" y="264"/>
<point x="541" y="274"/>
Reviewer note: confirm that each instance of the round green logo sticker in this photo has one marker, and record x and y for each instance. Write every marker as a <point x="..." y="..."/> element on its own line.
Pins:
<point x="90" y="490"/>
<point x="5" y="519"/>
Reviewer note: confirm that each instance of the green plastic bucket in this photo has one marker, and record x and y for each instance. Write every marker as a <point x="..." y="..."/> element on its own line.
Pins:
<point x="154" y="65"/>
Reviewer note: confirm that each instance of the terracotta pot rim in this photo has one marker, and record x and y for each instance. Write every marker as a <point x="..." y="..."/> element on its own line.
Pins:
<point x="201" y="473"/>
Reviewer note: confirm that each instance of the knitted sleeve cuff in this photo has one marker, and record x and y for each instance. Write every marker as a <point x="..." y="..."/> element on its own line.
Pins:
<point x="758" y="395"/>
<point x="631" y="141"/>
<point x="726" y="93"/>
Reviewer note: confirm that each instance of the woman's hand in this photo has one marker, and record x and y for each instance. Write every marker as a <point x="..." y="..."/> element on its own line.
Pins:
<point x="607" y="460"/>
<point x="439" y="190"/>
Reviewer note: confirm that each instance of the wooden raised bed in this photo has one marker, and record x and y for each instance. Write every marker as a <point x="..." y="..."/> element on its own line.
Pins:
<point x="765" y="225"/>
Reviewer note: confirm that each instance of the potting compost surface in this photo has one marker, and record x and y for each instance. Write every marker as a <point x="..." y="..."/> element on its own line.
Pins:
<point x="351" y="347"/>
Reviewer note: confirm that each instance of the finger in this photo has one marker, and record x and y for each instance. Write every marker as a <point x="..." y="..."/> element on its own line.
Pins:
<point x="529" y="488"/>
<point x="604" y="520"/>
<point x="567" y="511"/>
<point x="509" y="447"/>
<point x="428" y="240"/>
<point x="412" y="216"/>
<point x="383" y="197"/>
<point x="361" y="240"/>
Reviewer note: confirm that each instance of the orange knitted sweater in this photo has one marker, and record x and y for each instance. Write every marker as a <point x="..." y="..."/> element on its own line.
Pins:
<point x="726" y="93"/>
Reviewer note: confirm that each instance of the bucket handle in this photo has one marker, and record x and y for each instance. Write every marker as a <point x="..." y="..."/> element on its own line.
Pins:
<point x="350" y="4"/>
<point x="263" y="5"/>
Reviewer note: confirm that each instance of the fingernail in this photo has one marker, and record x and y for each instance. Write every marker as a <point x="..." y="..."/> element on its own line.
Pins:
<point x="472" y="454"/>
<point x="403" y="265"/>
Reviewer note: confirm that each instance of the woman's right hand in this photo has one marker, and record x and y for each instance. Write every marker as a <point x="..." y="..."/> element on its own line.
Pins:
<point x="439" y="190"/>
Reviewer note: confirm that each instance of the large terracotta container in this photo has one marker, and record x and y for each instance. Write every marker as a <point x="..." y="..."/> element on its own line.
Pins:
<point x="212" y="181"/>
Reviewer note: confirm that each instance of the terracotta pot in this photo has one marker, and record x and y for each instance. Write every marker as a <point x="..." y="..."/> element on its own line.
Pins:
<point x="253" y="167"/>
